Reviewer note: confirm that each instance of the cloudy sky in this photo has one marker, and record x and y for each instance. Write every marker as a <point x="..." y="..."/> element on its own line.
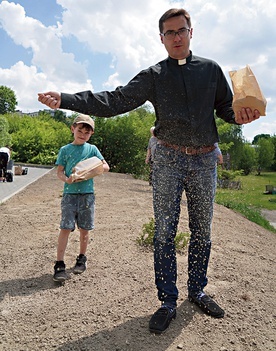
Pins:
<point x="71" y="46"/>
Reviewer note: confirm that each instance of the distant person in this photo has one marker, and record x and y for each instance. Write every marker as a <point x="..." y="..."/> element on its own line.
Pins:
<point x="227" y="162"/>
<point x="77" y="204"/>
<point x="150" y="153"/>
<point x="185" y="90"/>
<point x="5" y="155"/>
<point x="219" y="154"/>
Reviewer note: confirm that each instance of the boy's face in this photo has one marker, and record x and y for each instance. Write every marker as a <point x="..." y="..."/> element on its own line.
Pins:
<point x="82" y="133"/>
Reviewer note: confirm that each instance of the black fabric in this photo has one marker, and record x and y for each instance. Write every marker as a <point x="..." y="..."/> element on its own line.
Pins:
<point x="184" y="98"/>
<point x="4" y="157"/>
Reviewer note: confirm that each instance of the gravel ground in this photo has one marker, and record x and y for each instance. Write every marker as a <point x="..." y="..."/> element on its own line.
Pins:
<point x="109" y="306"/>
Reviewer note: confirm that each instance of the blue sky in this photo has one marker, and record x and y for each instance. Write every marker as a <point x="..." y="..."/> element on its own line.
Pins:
<point x="71" y="46"/>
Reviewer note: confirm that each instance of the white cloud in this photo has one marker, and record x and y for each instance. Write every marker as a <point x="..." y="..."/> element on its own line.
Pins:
<point x="58" y="68"/>
<point x="129" y="33"/>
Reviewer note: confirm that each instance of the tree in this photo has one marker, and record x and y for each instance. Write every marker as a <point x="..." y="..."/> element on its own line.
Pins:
<point x="265" y="152"/>
<point x="123" y="140"/>
<point x="60" y="116"/>
<point x="231" y="141"/>
<point x="258" y="137"/>
<point x="247" y="159"/>
<point x="7" y="100"/>
<point x="37" y="139"/>
<point x="5" y="138"/>
<point x="273" y="139"/>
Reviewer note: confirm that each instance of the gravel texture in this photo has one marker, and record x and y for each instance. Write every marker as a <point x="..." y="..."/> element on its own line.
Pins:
<point x="109" y="306"/>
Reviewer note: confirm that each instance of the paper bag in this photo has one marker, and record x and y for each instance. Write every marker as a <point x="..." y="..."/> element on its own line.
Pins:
<point x="247" y="92"/>
<point x="18" y="170"/>
<point x="87" y="169"/>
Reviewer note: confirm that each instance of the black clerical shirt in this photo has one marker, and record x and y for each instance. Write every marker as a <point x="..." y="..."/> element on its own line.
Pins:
<point x="184" y="93"/>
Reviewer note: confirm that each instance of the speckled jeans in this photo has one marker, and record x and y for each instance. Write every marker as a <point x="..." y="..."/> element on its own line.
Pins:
<point x="173" y="173"/>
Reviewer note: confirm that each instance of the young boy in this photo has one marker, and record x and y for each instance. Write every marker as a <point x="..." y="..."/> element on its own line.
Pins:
<point x="77" y="204"/>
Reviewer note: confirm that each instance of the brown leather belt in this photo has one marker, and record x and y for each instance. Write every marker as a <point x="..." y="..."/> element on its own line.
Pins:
<point x="188" y="150"/>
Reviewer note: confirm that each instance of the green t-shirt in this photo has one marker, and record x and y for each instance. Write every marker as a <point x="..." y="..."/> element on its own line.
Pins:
<point x="68" y="156"/>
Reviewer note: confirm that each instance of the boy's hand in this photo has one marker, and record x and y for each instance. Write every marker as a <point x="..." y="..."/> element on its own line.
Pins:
<point x="51" y="99"/>
<point x="69" y="180"/>
<point x="246" y="115"/>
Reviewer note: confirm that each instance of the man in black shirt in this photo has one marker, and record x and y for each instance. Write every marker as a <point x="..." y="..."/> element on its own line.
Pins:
<point x="185" y="90"/>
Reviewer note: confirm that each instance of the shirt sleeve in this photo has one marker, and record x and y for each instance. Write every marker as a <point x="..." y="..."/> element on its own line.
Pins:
<point x="113" y="103"/>
<point x="60" y="158"/>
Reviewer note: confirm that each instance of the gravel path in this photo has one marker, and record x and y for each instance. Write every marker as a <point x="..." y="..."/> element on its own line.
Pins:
<point x="109" y="306"/>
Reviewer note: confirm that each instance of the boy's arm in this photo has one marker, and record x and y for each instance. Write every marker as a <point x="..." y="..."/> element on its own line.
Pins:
<point x="61" y="175"/>
<point x="105" y="166"/>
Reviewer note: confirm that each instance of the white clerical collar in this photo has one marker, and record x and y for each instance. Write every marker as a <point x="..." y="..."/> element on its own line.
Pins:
<point x="182" y="62"/>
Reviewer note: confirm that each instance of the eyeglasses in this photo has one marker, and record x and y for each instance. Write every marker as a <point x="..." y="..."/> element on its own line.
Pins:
<point x="171" y="34"/>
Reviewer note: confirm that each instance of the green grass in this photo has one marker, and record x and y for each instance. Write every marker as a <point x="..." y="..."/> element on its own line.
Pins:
<point x="251" y="198"/>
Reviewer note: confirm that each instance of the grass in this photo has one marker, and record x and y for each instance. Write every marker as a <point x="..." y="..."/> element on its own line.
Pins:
<point x="251" y="198"/>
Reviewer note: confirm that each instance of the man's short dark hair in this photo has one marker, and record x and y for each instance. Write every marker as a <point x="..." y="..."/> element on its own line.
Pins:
<point x="174" y="13"/>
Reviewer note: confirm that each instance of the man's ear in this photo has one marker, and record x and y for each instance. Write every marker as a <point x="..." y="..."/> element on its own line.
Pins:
<point x="162" y="39"/>
<point x="191" y="33"/>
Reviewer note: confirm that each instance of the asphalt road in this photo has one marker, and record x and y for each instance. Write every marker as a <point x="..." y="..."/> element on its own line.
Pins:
<point x="8" y="189"/>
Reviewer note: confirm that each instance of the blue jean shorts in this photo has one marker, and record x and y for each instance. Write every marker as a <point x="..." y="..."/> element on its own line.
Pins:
<point x="77" y="209"/>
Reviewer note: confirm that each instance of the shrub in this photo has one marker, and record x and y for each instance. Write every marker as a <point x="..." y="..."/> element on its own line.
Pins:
<point x="146" y="238"/>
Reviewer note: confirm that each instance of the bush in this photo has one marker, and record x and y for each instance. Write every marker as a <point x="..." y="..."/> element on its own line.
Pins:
<point x="226" y="179"/>
<point x="146" y="238"/>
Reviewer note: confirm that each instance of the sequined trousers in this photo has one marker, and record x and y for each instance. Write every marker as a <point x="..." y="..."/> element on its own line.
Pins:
<point x="176" y="173"/>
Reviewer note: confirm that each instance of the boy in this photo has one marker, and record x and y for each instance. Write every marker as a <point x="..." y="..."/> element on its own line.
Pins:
<point x="77" y="204"/>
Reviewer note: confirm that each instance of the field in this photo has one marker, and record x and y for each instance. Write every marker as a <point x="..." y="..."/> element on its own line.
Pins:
<point x="251" y="199"/>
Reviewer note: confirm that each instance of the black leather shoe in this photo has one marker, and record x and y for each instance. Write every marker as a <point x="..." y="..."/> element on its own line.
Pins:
<point x="161" y="319"/>
<point x="207" y="305"/>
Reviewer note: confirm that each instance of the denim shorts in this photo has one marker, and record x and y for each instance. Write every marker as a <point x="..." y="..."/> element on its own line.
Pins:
<point x="77" y="209"/>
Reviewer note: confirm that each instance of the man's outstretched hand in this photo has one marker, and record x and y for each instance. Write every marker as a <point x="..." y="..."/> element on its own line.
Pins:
<point x="51" y="99"/>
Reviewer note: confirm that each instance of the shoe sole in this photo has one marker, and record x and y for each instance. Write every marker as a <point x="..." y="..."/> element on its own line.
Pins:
<point x="60" y="280"/>
<point x="78" y="272"/>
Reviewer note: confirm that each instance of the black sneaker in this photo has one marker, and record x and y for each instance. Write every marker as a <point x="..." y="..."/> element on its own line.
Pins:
<point x="60" y="273"/>
<point x="161" y="319"/>
<point x="206" y="304"/>
<point x="80" y="265"/>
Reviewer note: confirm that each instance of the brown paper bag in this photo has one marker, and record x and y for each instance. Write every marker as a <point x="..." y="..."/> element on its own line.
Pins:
<point x="247" y="92"/>
<point x="87" y="169"/>
<point x="18" y="170"/>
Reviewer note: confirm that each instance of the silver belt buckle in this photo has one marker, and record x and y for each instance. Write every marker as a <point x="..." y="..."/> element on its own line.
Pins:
<point x="187" y="150"/>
